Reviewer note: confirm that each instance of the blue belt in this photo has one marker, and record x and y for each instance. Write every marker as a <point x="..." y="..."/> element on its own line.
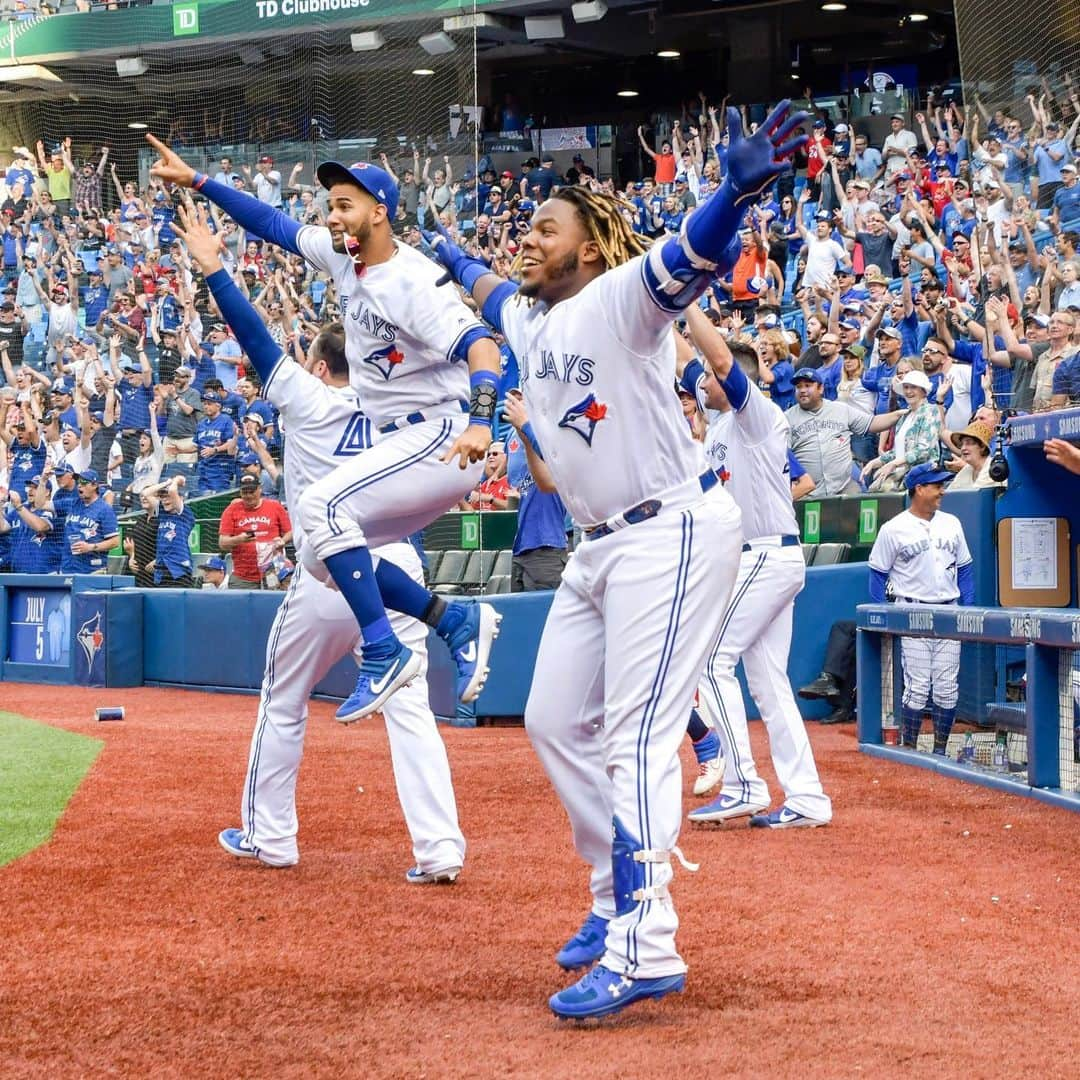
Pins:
<point x="413" y="418"/>
<point x="647" y="509"/>
<point x="785" y="541"/>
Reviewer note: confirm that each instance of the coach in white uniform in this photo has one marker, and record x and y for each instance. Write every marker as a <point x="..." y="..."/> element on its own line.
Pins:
<point x="314" y="628"/>
<point x="640" y="604"/>
<point x="923" y="554"/>
<point x="746" y="443"/>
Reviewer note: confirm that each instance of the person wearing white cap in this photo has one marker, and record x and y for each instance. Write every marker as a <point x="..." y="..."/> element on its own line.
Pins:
<point x="916" y="437"/>
<point x="1067" y="197"/>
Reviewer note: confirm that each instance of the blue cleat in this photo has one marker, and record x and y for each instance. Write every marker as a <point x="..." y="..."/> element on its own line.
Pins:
<point x="377" y="682"/>
<point x="470" y="646"/>
<point x="586" y="946"/>
<point x="784" y="818"/>
<point x="725" y="808"/>
<point x="234" y="842"/>
<point x="602" y="992"/>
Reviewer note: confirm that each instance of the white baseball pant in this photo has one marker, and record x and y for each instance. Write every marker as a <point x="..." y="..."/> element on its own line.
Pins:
<point x="313" y="630"/>
<point x="930" y="668"/>
<point x="626" y="638"/>
<point x="388" y="492"/>
<point x="757" y="629"/>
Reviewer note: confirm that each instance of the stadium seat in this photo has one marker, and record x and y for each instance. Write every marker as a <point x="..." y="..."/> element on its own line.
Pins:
<point x="497" y="583"/>
<point x="831" y="554"/>
<point x="451" y="570"/>
<point x="808" y="553"/>
<point x="478" y="570"/>
<point x="433" y="560"/>
<point x="117" y="566"/>
<point x="503" y="563"/>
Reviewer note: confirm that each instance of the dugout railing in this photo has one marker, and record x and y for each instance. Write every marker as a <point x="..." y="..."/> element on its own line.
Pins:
<point x="1021" y="734"/>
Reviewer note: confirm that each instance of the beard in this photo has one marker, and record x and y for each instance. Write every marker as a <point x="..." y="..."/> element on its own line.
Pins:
<point x="566" y="267"/>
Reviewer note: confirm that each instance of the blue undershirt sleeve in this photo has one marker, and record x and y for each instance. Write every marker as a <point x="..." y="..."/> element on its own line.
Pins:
<point x="492" y="307"/>
<point x="965" y="579"/>
<point x="251" y="333"/>
<point x="878" y="580"/>
<point x="253" y="216"/>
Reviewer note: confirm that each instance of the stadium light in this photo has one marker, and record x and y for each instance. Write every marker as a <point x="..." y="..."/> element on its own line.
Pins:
<point x="423" y="71"/>
<point x="28" y="73"/>
<point x="834" y="5"/>
<point x="138" y="125"/>
<point x="626" y="93"/>
<point x="437" y="44"/>
<point x="129" y="66"/>
<point x="366" y="41"/>
<point x="918" y="16"/>
<point x="589" y="11"/>
<point x="546" y="27"/>
<point x="669" y="54"/>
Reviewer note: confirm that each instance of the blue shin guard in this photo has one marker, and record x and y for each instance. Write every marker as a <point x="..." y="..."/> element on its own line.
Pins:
<point x="910" y="723"/>
<point x="627" y="873"/>
<point x="943" y="725"/>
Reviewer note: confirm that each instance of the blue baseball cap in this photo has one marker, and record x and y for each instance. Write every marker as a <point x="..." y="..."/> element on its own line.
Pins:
<point x="209" y="395"/>
<point x="926" y="473"/>
<point x="88" y="476"/>
<point x="468" y="174"/>
<point x="850" y="324"/>
<point x="216" y="563"/>
<point x="526" y="204"/>
<point x="377" y="182"/>
<point x="809" y="374"/>
<point x="65" y="468"/>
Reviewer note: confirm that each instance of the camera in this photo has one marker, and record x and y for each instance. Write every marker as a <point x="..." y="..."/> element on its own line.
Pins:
<point x="999" y="466"/>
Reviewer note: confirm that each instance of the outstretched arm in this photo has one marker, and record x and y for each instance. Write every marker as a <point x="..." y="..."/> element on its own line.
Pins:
<point x="678" y="271"/>
<point x="254" y="216"/>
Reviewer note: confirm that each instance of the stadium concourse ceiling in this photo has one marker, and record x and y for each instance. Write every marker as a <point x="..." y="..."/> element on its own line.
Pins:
<point x="791" y="38"/>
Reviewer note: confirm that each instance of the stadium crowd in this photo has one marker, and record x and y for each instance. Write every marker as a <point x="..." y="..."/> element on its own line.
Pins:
<point x="900" y="298"/>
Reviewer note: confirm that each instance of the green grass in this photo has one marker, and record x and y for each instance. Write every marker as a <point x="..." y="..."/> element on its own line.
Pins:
<point x="40" y="768"/>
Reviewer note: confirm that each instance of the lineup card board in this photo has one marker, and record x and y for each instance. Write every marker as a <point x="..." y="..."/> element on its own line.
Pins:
<point x="1034" y="564"/>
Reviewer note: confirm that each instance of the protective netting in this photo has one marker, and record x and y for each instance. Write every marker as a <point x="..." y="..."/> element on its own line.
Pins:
<point x="295" y="90"/>
<point x="1069" y="720"/>
<point x="1034" y="51"/>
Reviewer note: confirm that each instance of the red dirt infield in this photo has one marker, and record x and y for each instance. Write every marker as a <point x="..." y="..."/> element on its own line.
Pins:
<point x="930" y="931"/>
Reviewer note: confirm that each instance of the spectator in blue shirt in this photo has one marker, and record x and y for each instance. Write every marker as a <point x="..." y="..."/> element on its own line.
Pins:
<point x="25" y="445"/>
<point x="1066" y="201"/>
<point x="540" y="542"/>
<point x="539" y="182"/>
<point x="172" y="564"/>
<point x="1051" y="152"/>
<point x="94" y="298"/>
<point x="135" y="391"/>
<point x="31" y="552"/>
<point x="215" y="438"/>
<point x="90" y="530"/>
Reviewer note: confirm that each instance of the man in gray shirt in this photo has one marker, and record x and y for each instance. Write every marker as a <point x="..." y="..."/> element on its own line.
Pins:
<point x="821" y="433"/>
<point x="183" y="410"/>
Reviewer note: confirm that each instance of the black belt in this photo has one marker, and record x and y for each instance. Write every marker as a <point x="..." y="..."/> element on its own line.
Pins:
<point x="417" y="417"/>
<point x="785" y="541"/>
<point x="647" y="509"/>
<point x="912" y="600"/>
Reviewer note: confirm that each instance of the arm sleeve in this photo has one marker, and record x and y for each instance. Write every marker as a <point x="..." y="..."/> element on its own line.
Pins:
<point x="251" y="332"/>
<point x="878" y="581"/>
<point x="493" y="305"/>
<point x="795" y="469"/>
<point x="965" y="579"/>
<point x="254" y="216"/>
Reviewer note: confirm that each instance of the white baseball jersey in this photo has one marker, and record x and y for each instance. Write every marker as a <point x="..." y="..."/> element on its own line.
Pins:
<point x="922" y="557"/>
<point x="324" y="426"/>
<point x="400" y="330"/>
<point x="959" y="412"/>
<point x="752" y="462"/>
<point x="596" y="373"/>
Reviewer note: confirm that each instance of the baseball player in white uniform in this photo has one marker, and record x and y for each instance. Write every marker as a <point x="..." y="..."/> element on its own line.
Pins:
<point x="923" y="554"/>
<point x="746" y="443"/>
<point x="314" y="627"/>
<point x="640" y="604"/>
<point x="427" y="371"/>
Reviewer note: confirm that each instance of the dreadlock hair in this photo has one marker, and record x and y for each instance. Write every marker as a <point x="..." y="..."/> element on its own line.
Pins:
<point x="601" y="215"/>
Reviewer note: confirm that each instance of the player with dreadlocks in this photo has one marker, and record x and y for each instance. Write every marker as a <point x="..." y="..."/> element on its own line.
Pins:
<point x="640" y="606"/>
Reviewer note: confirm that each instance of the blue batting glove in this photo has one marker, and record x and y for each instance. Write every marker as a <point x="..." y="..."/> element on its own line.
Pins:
<point x="754" y="162"/>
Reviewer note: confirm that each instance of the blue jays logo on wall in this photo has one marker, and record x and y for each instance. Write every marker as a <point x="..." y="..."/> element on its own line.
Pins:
<point x="583" y="417"/>
<point x="385" y="360"/>
<point x="91" y="639"/>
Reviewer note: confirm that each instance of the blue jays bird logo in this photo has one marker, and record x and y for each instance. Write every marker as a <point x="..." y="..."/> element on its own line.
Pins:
<point x="91" y="637"/>
<point x="583" y="417"/>
<point x="385" y="360"/>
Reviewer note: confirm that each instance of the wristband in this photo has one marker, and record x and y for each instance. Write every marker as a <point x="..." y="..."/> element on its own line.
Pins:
<point x="528" y="433"/>
<point x="199" y="180"/>
<point x="483" y="398"/>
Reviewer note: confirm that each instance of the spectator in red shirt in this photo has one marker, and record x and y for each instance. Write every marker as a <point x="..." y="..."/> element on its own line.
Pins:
<point x="817" y="157"/>
<point x="248" y="524"/>
<point x="494" y="491"/>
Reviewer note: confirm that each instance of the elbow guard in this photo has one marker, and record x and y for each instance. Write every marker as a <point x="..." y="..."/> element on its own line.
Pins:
<point x="468" y="339"/>
<point x="676" y="275"/>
